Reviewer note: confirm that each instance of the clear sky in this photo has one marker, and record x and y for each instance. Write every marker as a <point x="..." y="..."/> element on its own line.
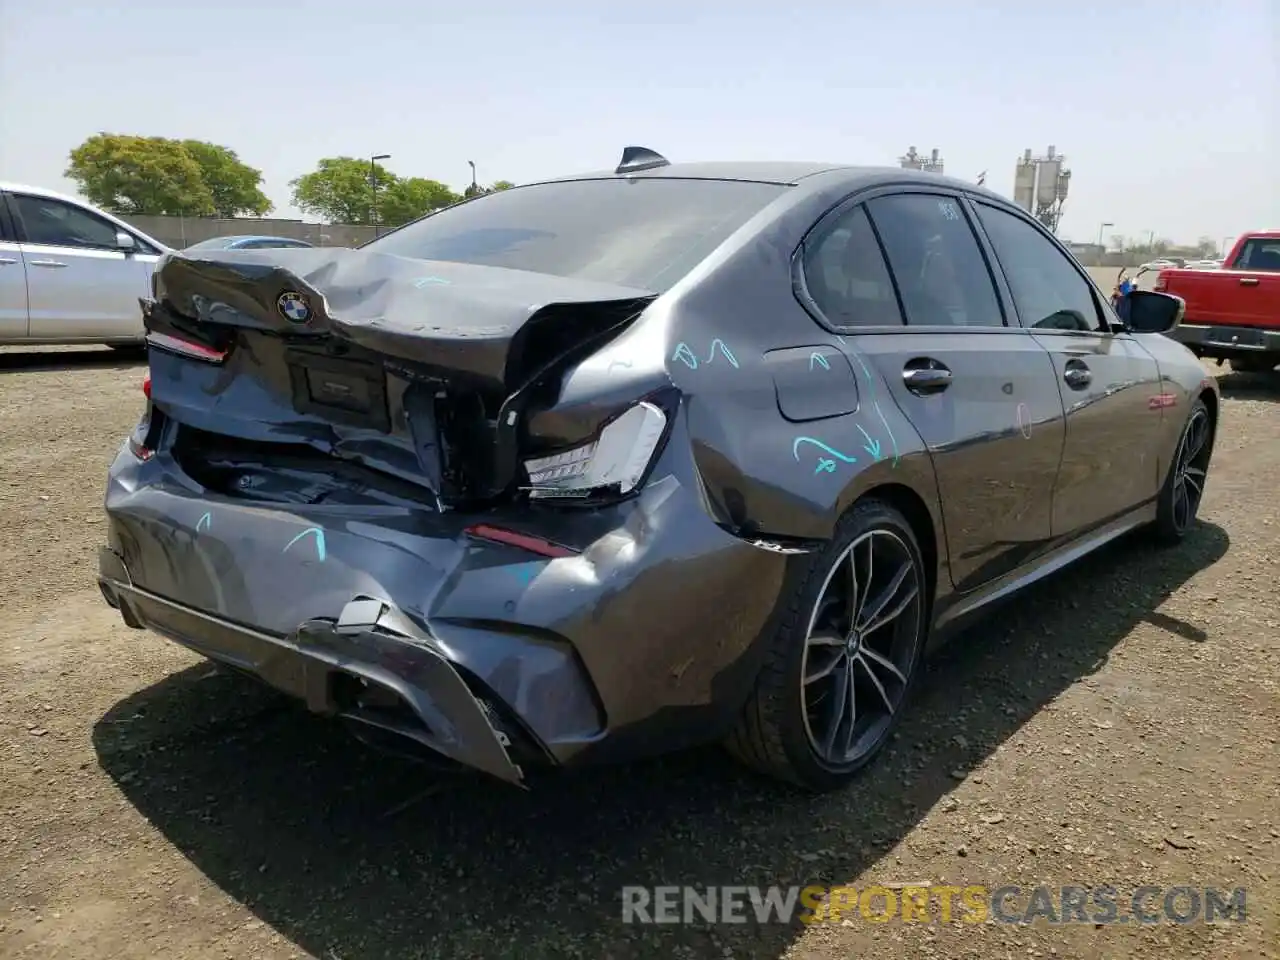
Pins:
<point x="1168" y="112"/>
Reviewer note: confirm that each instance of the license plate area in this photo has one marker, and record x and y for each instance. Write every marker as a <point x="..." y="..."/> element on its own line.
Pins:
<point x="351" y="392"/>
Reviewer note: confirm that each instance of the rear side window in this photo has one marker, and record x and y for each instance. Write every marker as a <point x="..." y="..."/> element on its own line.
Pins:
<point x="846" y="275"/>
<point x="1049" y="292"/>
<point x="1259" y="253"/>
<point x="646" y="232"/>
<point x="936" y="261"/>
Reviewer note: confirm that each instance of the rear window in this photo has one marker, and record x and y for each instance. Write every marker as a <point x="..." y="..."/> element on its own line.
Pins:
<point x="645" y="233"/>
<point x="1259" y="253"/>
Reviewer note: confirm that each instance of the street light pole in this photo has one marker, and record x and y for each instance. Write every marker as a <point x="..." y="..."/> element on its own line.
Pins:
<point x="1102" y="227"/>
<point x="474" y="189"/>
<point x="373" y="188"/>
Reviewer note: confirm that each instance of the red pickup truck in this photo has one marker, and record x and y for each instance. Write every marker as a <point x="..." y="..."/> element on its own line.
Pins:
<point x="1233" y="313"/>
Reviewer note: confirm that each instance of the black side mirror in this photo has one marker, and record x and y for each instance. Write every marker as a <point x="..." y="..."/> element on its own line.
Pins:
<point x="1146" y="311"/>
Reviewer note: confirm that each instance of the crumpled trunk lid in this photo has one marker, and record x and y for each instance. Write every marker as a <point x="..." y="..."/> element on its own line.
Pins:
<point x="418" y="371"/>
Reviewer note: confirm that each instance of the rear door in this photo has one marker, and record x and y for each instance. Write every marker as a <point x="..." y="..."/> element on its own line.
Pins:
<point x="979" y="392"/>
<point x="1110" y="384"/>
<point x="13" y="281"/>
<point x="80" y="285"/>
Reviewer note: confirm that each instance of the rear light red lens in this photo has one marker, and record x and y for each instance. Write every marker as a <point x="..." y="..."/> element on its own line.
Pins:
<point x="146" y="386"/>
<point x="185" y="348"/>
<point x="545" y="548"/>
<point x="1161" y="285"/>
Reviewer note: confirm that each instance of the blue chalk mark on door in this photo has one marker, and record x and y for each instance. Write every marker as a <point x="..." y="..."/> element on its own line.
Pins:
<point x="724" y="350"/>
<point x="825" y="464"/>
<point x="871" y="446"/>
<point x="430" y="282"/>
<point x="204" y="522"/>
<point x="871" y="384"/>
<point x="314" y="532"/>
<point x="685" y="356"/>
<point x="526" y="573"/>
<point x="819" y="359"/>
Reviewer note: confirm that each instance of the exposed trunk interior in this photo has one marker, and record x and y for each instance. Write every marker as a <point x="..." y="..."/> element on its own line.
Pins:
<point x="403" y="396"/>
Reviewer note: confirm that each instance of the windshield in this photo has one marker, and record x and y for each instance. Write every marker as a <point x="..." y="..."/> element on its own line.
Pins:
<point x="645" y="233"/>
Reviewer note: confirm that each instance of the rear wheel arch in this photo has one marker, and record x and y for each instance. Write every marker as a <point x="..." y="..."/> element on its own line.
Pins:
<point x="913" y="507"/>
<point x="1210" y="400"/>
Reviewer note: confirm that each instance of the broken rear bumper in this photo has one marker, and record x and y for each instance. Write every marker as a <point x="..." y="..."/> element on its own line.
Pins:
<point x="372" y="665"/>
<point x="646" y="638"/>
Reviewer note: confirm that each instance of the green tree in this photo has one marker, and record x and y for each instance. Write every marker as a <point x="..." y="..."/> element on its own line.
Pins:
<point x="410" y="198"/>
<point x="340" y="191"/>
<point x="132" y="175"/>
<point x="234" y="185"/>
<point x="501" y="185"/>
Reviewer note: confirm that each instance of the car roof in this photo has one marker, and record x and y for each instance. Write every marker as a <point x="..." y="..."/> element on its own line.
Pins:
<point x="9" y="187"/>
<point x="789" y="173"/>
<point x="42" y="192"/>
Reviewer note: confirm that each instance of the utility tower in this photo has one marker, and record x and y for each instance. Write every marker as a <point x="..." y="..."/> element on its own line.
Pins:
<point x="914" y="161"/>
<point x="1040" y="186"/>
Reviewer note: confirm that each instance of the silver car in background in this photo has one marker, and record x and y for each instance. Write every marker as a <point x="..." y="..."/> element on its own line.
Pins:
<point x="69" y="272"/>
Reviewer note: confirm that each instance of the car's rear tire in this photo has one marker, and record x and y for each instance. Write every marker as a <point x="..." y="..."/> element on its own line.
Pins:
<point x="837" y="631"/>
<point x="1183" y="490"/>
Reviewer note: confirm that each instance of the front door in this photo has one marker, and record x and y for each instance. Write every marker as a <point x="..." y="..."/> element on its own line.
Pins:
<point x="80" y="285"/>
<point x="13" y="282"/>
<point x="1109" y="384"/>
<point x="980" y="393"/>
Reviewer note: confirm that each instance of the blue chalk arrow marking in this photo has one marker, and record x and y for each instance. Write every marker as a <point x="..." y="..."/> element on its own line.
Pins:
<point x="871" y="446"/>
<point x="204" y="522"/>
<point x="314" y="532"/>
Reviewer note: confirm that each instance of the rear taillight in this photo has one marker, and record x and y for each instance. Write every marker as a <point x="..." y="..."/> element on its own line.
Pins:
<point x="142" y="432"/>
<point x="185" y="348"/>
<point x="538" y="545"/>
<point x="1161" y="285"/>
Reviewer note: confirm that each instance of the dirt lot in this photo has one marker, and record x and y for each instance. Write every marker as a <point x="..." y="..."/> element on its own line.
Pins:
<point x="1116" y="726"/>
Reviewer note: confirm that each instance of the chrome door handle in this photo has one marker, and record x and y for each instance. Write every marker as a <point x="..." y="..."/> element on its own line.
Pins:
<point x="926" y="380"/>
<point x="46" y="263"/>
<point x="1248" y="281"/>
<point x="5" y="261"/>
<point x="1077" y="375"/>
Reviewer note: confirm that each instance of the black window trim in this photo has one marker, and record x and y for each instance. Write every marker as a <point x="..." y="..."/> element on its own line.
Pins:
<point x="141" y="246"/>
<point x="8" y="229"/>
<point x="860" y="197"/>
<point x="1111" y="323"/>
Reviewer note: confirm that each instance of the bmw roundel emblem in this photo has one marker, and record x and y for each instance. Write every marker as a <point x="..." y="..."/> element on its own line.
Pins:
<point x="293" y="307"/>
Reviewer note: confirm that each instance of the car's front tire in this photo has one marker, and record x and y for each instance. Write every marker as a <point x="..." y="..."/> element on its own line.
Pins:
<point x="843" y="661"/>
<point x="1179" y="501"/>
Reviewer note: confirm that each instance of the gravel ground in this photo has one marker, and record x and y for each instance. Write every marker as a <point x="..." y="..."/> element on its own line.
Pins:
<point x="1117" y="725"/>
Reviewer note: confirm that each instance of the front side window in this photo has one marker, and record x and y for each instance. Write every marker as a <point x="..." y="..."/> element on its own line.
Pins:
<point x="936" y="260"/>
<point x="646" y="232"/>
<point x="1047" y="289"/>
<point x="58" y="224"/>
<point x="846" y="275"/>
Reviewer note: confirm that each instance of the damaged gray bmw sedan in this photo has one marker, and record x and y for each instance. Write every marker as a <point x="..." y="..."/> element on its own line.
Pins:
<point x="626" y="462"/>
